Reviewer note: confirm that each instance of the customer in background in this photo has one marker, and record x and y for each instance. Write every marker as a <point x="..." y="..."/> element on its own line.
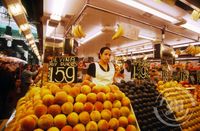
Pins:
<point x="7" y="81"/>
<point x="127" y="71"/>
<point x="27" y="80"/>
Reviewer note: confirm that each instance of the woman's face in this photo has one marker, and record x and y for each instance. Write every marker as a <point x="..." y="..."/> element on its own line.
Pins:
<point x="105" y="56"/>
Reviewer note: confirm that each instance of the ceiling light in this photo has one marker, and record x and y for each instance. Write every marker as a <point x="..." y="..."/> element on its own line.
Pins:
<point x="132" y="44"/>
<point x="15" y="9"/>
<point x="29" y="36"/>
<point x="33" y="46"/>
<point x="24" y="27"/>
<point x="55" y="17"/>
<point x="147" y="37"/>
<point x="31" y="42"/>
<point x="152" y="11"/>
<point x="57" y="38"/>
<point x="188" y="58"/>
<point x="49" y="30"/>
<point x="135" y="52"/>
<point x="185" y="45"/>
<point x="191" y="27"/>
<point x="91" y="37"/>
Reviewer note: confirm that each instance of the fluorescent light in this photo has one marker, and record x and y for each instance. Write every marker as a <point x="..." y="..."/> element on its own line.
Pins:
<point x="152" y="11"/>
<point x="188" y="58"/>
<point x="58" y="38"/>
<point x="91" y="37"/>
<point x="29" y="36"/>
<point x="15" y="9"/>
<point x="136" y="44"/>
<point x="191" y="27"/>
<point x="49" y="29"/>
<point x="184" y="45"/>
<point x="142" y="51"/>
<point x="33" y="46"/>
<point x="55" y="17"/>
<point x="24" y="27"/>
<point x="134" y="52"/>
<point x="31" y="42"/>
<point x="147" y="37"/>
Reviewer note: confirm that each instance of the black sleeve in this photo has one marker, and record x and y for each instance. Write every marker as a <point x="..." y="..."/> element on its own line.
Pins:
<point x="122" y="71"/>
<point x="91" y="70"/>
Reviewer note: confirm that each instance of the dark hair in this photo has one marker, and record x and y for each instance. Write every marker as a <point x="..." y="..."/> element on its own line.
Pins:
<point x="26" y="66"/>
<point x="128" y="62"/>
<point x="102" y="50"/>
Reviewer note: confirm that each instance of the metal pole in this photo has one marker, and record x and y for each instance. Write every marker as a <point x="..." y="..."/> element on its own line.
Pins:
<point x="79" y="15"/>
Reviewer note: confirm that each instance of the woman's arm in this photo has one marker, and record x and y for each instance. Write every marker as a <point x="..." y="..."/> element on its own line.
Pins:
<point x="87" y="77"/>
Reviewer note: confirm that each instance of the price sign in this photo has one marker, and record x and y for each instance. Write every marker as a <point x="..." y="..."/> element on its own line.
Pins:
<point x="63" y="69"/>
<point x="142" y="70"/>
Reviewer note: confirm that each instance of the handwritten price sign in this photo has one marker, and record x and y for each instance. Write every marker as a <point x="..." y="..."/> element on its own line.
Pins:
<point x="63" y="69"/>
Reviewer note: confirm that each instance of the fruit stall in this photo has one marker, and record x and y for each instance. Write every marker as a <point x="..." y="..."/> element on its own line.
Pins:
<point x="80" y="106"/>
<point x="156" y="36"/>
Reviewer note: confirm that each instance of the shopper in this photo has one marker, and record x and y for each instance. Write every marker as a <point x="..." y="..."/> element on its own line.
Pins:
<point x="102" y="72"/>
<point x="7" y="86"/>
<point x="27" y="78"/>
<point x="127" y="71"/>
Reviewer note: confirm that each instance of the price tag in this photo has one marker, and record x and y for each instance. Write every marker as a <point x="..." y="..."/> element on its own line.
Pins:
<point x="142" y="70"/>
<point x="63" y="69"/>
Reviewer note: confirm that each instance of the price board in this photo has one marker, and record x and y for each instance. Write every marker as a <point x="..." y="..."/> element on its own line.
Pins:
<point x="63" y="69"/>
<point x="141" y="70"/>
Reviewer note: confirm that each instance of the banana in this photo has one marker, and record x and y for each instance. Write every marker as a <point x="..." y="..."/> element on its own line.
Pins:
<point x="189" y="49"/>
<point x="80" y="29"/>
<point x="78" y="34"/>
<point x="198" y="49"/>
<point x="73" y="31"/>
<point x="195" y="15"/>
<point x="119" y="32"/>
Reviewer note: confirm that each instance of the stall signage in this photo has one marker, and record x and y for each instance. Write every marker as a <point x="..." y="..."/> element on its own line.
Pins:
<point x="141" y="70"/>
<point x="63" y="69"/>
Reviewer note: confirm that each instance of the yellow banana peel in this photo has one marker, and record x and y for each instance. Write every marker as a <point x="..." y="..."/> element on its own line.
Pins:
<point x="119" y="32"/>
<point x="80" y="29"/>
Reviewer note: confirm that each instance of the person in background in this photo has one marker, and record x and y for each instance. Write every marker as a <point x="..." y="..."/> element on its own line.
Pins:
<point x="102" y="72"/>
<point x="7" y="81"/>
<point x="127" y="71"/>
<point x="27" y="80"/>
<point x="118" y="76"/>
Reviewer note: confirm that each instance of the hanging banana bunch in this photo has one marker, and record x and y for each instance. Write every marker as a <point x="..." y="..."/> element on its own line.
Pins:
<point x="192" y="50"/>
<point x="197" y="49"/>
<point x="189" y="49"/>
<point x="77" y="31"/>
<point x="178" y="52"/>
<point x="119" y="32"/>
<point x="195" y="15"/>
